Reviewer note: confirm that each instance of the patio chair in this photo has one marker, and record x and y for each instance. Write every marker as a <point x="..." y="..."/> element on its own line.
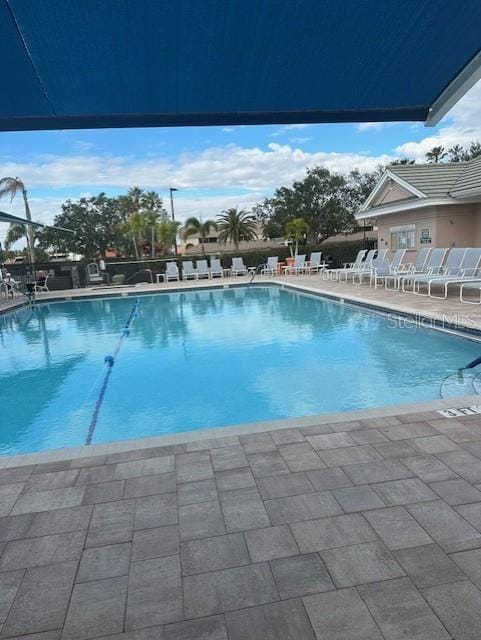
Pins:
<point x="345" y="274"/>
<point x="171" y="272"/>
<point x="387" y="269"/>
<point x="433" y="266"/>
<point x="452" y="267"/>
<point x="472" y="285"/>
<point x="408" y="269"/>
<point x="202" y="269"/>
<point x="315" y="263"/>
<point x="298" y="267"/>
<point x="188" y="270"/>
<point x="238" y="267"/>
<point x="93" y="274"/>
<point x="216" y="269"/>
<point x="333" y="274"/>
<point x="379" y="262"/>
<point x="270" y="268"/>
<point x="41" y="286"/>
<point x="468" y="272"/>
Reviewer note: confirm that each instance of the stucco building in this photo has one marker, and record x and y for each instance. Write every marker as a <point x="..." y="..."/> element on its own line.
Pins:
<point x="434" y="205"/>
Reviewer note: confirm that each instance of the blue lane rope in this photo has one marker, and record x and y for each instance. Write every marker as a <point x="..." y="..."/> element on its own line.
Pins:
<point x="109" y="364"/>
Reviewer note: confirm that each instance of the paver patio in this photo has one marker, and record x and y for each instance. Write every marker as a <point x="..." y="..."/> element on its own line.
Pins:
<point x="299" y="533"/>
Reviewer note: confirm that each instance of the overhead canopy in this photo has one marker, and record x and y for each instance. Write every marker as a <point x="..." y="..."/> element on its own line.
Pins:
<point x="125" y="63"/>
<point x="7" y="217"/>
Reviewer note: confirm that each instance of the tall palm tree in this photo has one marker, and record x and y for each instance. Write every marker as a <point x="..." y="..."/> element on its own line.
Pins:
<point x="195" y="227"/>
<point x="9" y="187"/>
<point x="235" y="226"/>
<point x="153" y="211"/>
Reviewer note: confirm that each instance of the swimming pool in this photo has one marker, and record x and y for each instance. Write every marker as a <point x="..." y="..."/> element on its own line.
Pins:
<point x="204" y="358"/>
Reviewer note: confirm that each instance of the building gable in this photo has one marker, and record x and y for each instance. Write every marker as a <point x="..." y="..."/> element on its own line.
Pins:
<point x="391" y="192"/>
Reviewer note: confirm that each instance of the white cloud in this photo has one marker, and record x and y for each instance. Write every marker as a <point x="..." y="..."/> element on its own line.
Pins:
<point x="375" y="126"/>
<point x="289" y="127"/>
<point x="228" y="166"/>
<point x="299" y="140"/>
<point x="462" y="125"/>
<point x="227" y="129"/>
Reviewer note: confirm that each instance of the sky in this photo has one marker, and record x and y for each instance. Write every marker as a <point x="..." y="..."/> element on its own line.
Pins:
<point x="213" y="167"/>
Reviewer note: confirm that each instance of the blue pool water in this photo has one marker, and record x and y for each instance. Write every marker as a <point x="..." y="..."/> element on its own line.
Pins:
<point x="204" y="359"/>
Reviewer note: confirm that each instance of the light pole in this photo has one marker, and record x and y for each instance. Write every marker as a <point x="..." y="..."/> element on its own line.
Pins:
<point x="172" y="189"/>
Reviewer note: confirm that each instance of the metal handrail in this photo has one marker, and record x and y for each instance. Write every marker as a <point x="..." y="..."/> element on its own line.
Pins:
<point x="141" y="271"/>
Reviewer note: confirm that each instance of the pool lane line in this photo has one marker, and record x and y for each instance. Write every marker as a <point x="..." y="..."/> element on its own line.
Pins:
<point x="109" y="363"/>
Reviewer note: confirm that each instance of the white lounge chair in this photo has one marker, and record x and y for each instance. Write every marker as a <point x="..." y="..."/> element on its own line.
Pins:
<point x="409" y="269"/>
<point x="468" y="271"/>
<point x="270" y="268"/>
<point x="387" y="269"/>
<point x="345" y="274"/>
<point x="433" y="266"/>
<point x="472" y="285"/>
<point x="202" y="269"/>
<point x="171" y="272"/>
<point x="298" y="267"/>
<point x="367" y="268"/>
<point x="314" y="263"/>
<point x="333" y="274"/>
<point x="216" y="269"/>
<point x="188" y="270"/>
<point x="238" y="267"/>
<point x="451" y="267"/>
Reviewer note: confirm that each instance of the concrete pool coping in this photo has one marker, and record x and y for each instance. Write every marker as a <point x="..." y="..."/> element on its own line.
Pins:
<point x="215" y="433"/>
<point x="301" y="286"/>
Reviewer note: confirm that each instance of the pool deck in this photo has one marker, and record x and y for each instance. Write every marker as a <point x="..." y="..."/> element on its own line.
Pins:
<point x="365" y="529"/>
<point x="359" y="526"/>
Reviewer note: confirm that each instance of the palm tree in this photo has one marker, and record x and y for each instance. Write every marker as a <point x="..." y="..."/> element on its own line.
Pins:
<point x="152" y="210"/>
<point x="435" y="155"/>
<point x="135" y="227"/>
<point x="10" y="187"/>
<point x="166" y="234"/>
<point x="195" y="227"/>
<point x="235" y="226"/>
<point x="296" y="230"/>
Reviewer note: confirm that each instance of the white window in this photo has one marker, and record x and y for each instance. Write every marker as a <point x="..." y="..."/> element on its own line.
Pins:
<point x="403" y="237"/>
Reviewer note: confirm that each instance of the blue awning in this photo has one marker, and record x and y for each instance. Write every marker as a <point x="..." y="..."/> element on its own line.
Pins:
<point x="135" y="63"/>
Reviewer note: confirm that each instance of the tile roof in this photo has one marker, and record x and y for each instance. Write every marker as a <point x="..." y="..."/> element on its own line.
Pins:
<point x="434" y="180"/>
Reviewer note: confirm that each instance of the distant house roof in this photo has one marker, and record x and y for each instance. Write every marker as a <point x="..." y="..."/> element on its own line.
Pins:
<point x="423" y="185"/>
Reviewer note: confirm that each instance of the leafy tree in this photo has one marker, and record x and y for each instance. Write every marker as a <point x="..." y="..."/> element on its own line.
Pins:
<point x="296" y="230"/>
<point x="403" y="161"/>
<point x="96" y="222"/>
<point x="9" y="187"/>
<point x="325" y="201"/>
<point x="195" y="227"/>
<point x="235" y="225"/>
<point x="436" y="154"/>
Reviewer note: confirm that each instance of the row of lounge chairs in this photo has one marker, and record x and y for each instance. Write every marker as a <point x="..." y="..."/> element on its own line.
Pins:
<point x="434" y="273"/>
<point x="213" y="270"/>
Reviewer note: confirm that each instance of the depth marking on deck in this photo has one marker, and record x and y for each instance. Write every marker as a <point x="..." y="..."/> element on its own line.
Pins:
<point x="463" y="411"/>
